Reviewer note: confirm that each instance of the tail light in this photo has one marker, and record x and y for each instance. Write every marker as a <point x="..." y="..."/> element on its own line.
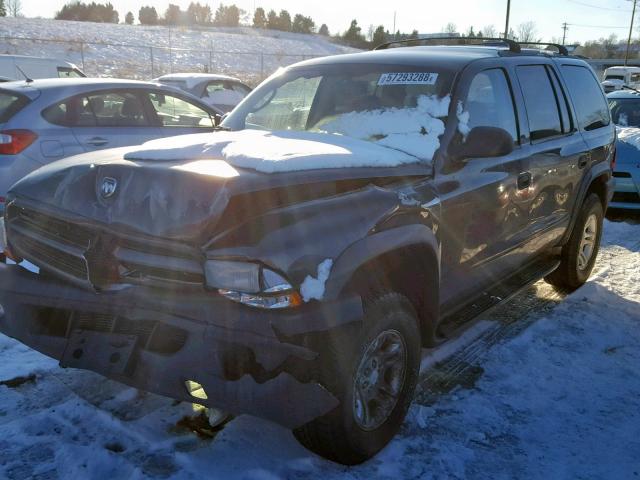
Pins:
<point x="13" y="142"/>
<point x="614" y="158"/>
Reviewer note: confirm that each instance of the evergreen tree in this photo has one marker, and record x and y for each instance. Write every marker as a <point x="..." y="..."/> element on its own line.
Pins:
<point x="302" y="24"/>
<point x="379" y="36"/>
<point x="3" y="9"/>
<point x="259" y="18"/>
<point x="353" y="35"/>
<point x="148" y="16"/>
<point x="272" y="20"/>
<point x="227" y="16"/>
<point x="284" y="21"/>
<point x="128" y="19"/>
<point x="172" y="15"/>
<point x="324" y="30"/>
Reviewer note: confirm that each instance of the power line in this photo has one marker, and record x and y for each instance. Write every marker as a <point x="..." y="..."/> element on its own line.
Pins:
<point x="595" y="26"/>
<point x="622" y="10"/>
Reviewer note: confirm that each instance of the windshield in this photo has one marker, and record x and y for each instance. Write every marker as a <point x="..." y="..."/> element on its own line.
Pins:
<point x="394" y="106"/>
<point x="625" y="112"/>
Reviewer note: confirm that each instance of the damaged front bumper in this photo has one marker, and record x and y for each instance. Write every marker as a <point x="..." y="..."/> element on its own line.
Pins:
<point x="247" y="360"/>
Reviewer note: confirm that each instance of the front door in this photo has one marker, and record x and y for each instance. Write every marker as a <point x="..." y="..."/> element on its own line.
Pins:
<point x="484" y="200"/>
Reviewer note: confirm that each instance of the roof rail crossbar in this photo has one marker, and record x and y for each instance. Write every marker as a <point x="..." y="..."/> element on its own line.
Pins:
<point x="480" y="41"/>
<point x="562" y="50"/>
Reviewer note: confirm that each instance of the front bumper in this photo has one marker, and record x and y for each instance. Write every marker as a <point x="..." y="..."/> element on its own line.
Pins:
<point x="247" y="360"/>
<point x="626" y="193"/>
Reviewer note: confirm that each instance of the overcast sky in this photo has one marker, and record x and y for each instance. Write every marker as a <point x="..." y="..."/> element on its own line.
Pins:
<point x="590" y="19"/>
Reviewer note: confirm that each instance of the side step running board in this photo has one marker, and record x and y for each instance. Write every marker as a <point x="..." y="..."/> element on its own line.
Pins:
<point x="457" y="322"/>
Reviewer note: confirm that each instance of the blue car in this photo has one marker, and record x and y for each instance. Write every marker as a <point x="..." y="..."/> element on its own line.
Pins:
<point x="46" y="120"/>
<point x="625" y="112"/>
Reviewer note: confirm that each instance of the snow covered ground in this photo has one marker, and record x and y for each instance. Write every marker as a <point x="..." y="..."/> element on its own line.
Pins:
<point x="555" y="395"/>
<point x="245" y="52"/>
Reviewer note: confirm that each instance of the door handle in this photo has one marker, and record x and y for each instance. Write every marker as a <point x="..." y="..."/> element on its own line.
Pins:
<point x="583" y="161"/>
<point x="524" y="180"/>
<point x="97" y="141"/>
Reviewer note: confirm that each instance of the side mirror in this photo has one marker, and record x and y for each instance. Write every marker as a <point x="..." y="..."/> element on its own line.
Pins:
<point x="483" y="142"/>
<point x="217" y="119"/>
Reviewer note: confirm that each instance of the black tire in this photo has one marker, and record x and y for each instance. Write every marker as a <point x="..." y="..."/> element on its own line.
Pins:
<point x="337" y="435"/>
<point x="570" y="274"/>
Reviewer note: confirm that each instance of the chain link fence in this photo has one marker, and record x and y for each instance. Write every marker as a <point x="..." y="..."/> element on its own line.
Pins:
<point x="144" y="62"/>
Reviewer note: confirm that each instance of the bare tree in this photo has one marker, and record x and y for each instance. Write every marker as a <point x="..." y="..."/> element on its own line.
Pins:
<point x="527" y="32"/>
<point x="14" y="8"/>
<point x="450" y="28"/>
<point x="489" y="31"/>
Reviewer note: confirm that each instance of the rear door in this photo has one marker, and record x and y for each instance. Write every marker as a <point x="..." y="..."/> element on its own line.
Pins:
<point x="558" y="154"/>
<point x="112" y="118"/>
<point x="176" y="115"/>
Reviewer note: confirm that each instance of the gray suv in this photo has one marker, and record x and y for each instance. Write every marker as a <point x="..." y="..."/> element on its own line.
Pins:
<point x="350" y="211"/>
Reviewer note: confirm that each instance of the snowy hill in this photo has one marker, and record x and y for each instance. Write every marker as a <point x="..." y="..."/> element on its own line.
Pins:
<point x="249" y="53"/>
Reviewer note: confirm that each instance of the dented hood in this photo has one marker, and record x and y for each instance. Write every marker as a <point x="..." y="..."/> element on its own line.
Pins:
<point x="183" y="198"/>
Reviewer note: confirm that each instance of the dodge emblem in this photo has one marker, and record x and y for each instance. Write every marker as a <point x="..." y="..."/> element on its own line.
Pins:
<point x="108" y="187"/>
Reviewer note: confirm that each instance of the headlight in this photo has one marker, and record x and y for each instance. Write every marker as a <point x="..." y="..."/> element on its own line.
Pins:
<point x="251" y="284"/>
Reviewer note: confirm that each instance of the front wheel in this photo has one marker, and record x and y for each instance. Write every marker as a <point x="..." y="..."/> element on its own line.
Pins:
<point x="373" y="374"/>
<point x="579" y="254"/>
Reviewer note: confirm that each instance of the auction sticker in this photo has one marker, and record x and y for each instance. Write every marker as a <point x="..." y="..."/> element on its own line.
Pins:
<point x="408" y="78"/>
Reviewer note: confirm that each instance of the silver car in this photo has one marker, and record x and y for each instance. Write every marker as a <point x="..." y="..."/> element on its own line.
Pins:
<point x="219" y="91"/>
<point x="46" y="120"/>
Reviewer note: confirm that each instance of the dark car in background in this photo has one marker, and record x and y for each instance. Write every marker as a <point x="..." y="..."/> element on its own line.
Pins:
<point x="351" y="211"/>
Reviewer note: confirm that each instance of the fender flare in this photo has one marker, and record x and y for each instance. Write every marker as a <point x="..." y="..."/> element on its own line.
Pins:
<point x="372" y="246"/>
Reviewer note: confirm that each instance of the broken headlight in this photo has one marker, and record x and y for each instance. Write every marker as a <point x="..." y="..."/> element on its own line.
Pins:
<point x="251" y="284"/>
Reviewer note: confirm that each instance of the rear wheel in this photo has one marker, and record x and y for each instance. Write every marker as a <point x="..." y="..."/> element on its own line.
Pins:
<point x="579" y="254"/>
<point x="373" y="374"/>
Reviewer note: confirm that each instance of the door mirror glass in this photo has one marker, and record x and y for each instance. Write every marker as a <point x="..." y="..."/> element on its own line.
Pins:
<point x="484" y="142"/>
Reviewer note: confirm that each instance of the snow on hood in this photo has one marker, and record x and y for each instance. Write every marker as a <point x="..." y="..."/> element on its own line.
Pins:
<point x="630" y="135"/>
<point x="270" y="152"/>
<point x="374" y="138"/>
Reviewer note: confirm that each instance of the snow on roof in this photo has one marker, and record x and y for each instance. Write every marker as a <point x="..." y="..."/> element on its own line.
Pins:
<point x="271" y="152"/>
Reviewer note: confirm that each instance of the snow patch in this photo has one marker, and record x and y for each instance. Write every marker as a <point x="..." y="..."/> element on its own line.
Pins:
<point x="415" y="131"/>
<point x="463" y="120"/>
<point x="630" y="135"/>
<point x="313" y="288"/>
<point x="271" y="152"/>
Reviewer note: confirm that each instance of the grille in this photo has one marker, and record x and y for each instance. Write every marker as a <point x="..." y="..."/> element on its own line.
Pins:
<point x="626" y="197"/>
<point x="43" y="254"/>
<point x="152" y="335"/>
<point x="87" y="256"/>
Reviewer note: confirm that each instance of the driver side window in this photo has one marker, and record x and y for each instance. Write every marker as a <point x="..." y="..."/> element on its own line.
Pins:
<point x="489" y="102"/>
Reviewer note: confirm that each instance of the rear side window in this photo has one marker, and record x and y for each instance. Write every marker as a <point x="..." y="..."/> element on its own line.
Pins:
<point x="68" y="72"/>
<point x="10" y="104"/>
<point x="540" y="101"/>
<point x="489" y="102"/>
<point x="100" y="109"/>
<point x="591" y="106"/>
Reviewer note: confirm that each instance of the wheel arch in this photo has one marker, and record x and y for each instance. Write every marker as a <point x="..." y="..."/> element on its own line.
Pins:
<point x="409" y="260"/>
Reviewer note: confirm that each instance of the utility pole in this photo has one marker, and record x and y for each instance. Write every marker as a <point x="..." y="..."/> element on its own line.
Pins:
<point x="506" y="24"/>
<point x="394" y="24"/>
<point x="565" y="27"/>
<point x="633" y="14"/>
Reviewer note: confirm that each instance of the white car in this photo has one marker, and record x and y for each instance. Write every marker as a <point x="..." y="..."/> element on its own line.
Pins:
<point x="615" y="78"/>
<point x="219" y="91"/>
<point x="15" y="67"/>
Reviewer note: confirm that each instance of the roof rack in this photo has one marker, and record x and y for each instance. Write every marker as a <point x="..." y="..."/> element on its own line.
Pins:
<point x="562" y="50"/>
<point x="480" y="41"/>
